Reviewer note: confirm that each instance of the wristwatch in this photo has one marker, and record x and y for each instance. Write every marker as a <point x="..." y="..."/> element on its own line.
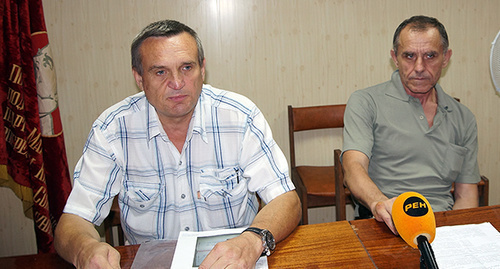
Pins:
<point x="267" y="238"/>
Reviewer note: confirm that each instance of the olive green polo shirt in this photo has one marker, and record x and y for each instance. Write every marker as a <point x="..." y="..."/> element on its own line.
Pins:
<point x="405" y="154"/>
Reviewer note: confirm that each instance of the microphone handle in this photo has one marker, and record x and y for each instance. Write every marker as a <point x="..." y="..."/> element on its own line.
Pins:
<point x="427" y="258"/>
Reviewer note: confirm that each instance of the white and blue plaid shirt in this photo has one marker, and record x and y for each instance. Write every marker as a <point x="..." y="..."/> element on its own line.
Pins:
<point x="229" y="156"/>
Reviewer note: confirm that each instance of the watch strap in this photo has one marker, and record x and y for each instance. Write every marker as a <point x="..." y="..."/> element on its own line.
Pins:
<point x="262" y="234"/>
<point x="254" y="229"/>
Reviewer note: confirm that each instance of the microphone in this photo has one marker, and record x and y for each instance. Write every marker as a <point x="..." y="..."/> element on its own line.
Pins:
<point x="415" y="222"/>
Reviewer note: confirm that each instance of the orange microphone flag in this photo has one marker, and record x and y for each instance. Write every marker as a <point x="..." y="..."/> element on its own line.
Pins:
<point x="413" y="216"/>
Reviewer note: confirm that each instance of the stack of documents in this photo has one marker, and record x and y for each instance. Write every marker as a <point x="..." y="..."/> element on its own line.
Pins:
<point x="467" y="246"/>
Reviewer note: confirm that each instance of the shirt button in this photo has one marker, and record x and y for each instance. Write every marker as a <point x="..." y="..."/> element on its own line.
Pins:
<point x="180" y="162"/>
<point x="183" y="196"/>
<point x="186" y="229"/>
<point x="141" y="206"/>
<point x="421" y="117"/>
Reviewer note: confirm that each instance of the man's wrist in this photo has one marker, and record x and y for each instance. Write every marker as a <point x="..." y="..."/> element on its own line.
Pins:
<point x="268" y="242"/>
<point x="255" y="240"/>
<point x="373" y="207"/>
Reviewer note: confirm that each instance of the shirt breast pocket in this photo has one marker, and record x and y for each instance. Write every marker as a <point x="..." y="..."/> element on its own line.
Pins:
<point x="221" y="183"/>
<point x="453" y="161"/>
<point x="142" y="200"/>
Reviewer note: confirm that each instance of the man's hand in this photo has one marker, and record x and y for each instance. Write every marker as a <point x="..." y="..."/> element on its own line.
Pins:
<point x="78" y="242"/>
<point x="280" y="217"/>
<point x="362" y="187"/>
<point x="242" y="251"/>
<point x="98" y="255"/>
<point x="382" y="211"/>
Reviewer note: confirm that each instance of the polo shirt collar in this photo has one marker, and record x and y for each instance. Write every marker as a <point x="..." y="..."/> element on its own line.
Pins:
<point x="444" y="101"/>
<point x="398" y="92"/>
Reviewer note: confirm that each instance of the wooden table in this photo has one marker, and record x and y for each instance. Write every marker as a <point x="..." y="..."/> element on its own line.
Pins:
<point x="355" y="244"/>
<point x="52" y="260"/>
<point x="325" y="245"/>
<point x="389" y="251"/>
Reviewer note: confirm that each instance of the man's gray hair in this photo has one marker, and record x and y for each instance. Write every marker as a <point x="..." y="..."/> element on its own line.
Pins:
<point x="165" y="28"/>
<point x="421" y="23"/>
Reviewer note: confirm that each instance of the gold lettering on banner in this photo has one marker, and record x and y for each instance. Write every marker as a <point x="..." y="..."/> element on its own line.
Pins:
<point x="16" y="99"/>
<point x="35" y="141"/>
<point x="40" y="197"/>
<point x="17" y="121"/>
<point x="9" y="136"/>
<point x="16" y="75"/>
<point x="43" y="222"/>
<point x="20" y="145"/>
<point x="41" y="174"/>
<point x="9" y="115"/>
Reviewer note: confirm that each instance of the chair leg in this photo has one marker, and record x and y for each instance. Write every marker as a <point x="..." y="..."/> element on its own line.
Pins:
<point x="121" y="237"/>
<point x="301" y="191"/>
<point x="305" y="217"/>
<point x="108" y="232"/>
<point x="340" y="196"/>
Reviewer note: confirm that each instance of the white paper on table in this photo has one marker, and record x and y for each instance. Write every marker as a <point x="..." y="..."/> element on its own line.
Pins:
<point x="192" y="247"/>
<point x="467" y="246"/>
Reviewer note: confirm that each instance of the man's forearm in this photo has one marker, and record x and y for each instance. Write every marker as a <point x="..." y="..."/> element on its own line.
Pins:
<point x="466" y="196"/>
<point x="72" y="233"/>
<point x="280" y="216"/>
<point x="358" y="181"/>
<point x="363" y="188"/>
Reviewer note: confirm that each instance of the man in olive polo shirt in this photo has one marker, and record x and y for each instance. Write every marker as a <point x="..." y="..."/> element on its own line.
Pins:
<point x="407" y="134"/>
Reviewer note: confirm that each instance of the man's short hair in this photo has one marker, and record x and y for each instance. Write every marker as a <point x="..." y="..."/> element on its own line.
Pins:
<point x="421" y="23"/>
<point x="165" y="28"/>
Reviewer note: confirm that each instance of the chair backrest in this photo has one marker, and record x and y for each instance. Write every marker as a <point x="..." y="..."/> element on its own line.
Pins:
<point x="311" y="118"/>
<point x="484" y="190"/>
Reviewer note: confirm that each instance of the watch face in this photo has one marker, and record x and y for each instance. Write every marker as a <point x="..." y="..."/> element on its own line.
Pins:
<point x="271" y="243"/>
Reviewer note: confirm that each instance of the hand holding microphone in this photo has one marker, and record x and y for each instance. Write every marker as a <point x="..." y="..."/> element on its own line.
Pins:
<point x="415" y="222"/>
<point x="382" y="213"/>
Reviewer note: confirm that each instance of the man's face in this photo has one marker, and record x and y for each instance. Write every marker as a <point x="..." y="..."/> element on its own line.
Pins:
<point x="172" y="78"/>
<point x="420" y="59"/>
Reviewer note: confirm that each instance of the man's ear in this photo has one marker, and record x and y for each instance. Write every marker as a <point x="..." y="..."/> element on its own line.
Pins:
<point x="447" y="57"/>
<point x="138" y="79"/>
<point x="394" y="58"/>
<point x="203" y="69"/>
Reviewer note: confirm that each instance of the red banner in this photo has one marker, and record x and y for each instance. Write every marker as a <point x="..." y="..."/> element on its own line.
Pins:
<point x="32" y="154"/>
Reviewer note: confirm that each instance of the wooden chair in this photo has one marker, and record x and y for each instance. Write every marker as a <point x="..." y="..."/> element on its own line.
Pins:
<point x="317" y="185"/>
<point x="484" y="190"/>
<point x="113" y="220"/>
